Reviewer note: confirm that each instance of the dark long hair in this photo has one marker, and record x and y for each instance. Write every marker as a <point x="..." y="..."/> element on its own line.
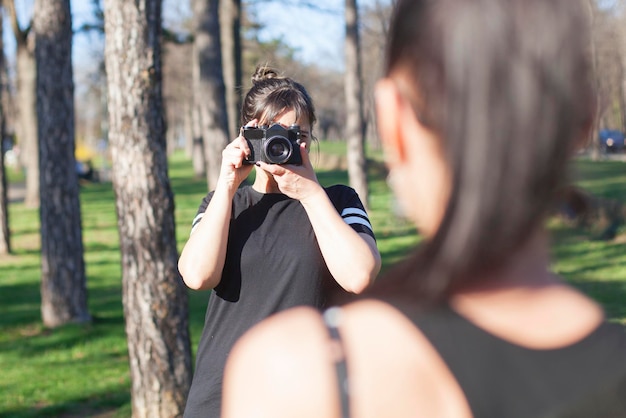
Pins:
<point x="505" y="84"/>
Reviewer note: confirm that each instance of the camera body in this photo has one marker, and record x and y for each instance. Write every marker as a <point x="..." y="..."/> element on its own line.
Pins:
<point x="273" y="144"/>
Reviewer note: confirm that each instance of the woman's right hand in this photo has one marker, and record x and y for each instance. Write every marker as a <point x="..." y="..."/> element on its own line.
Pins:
<point x="234" y="171"/>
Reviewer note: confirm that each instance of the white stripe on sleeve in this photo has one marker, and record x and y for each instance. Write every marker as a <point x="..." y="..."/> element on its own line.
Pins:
<point x="357" y="220"/>
<point x="353" y="211"/>
<point x="196" y="222"/>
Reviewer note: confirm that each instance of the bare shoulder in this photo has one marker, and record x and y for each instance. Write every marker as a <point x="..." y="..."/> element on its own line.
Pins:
<point x="281" y="367"/>
<point x="284" y="367"/>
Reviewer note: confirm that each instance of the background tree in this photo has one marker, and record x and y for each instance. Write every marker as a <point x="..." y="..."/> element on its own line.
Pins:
<point x="63" y="287"/>
<point x="230" y="24"/>
<point x="26" y="128"/>
<point x="209" y="89"/>
<point x="5" y="239"/>
<point x="355" y="129"/>
<point x="154" y="297"/>
<point x="374" y="28"/>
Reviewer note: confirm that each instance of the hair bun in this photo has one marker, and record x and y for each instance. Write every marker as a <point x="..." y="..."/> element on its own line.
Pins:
<point x="263" y="72"/>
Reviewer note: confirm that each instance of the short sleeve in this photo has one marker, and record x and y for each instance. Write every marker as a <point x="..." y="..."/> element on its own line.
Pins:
<point x="203" y="205"/>
<point x="349" y="206"/>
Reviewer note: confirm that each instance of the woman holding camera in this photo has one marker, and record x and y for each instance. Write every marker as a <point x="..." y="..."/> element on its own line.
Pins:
<point x="285" y="241"/>
<point x="482" y="104"/>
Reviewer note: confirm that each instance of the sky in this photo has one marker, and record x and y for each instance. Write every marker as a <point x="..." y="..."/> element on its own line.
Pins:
<point x="315" y="33"/>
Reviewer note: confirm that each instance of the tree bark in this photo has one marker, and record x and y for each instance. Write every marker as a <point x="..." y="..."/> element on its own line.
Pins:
<point x="210" y="89"/>
<point x="595" y="143"/>
<point x="197" y="144"/>
<point x="154" y="297"/>
<point x="230" y="23"/>
<point x="355" y="128"/>
<point x="63" y="287"/>
<point x="5" y="236"/>
<point x="197" y="141"/>
<point x="26" y="77"/>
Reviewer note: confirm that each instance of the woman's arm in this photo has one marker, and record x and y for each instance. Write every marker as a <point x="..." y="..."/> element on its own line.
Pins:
<point x="202" y="260"/>
<point x="352" y="257"/>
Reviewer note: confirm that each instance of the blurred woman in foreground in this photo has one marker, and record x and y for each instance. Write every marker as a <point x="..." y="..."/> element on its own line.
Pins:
<point x="482" y="104"/>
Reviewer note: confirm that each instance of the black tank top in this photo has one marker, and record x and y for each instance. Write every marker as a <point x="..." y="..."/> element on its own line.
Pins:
<point x="501" y="379"/>
<point x="504" y="380"/>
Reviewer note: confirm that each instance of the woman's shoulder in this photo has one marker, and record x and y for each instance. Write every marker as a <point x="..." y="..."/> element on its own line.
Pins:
<point x="296" y="346"/>
<point x="339" y="189"/>
<point x="343" y="196"/>
<point x="267" y="361"/>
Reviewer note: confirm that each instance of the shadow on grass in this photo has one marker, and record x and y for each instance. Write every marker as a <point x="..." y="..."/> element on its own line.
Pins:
<point x="19" y="304"/>
<point x="107" y="404"/>
<point x="598" y="268"/>
<point x="602" y="178"/>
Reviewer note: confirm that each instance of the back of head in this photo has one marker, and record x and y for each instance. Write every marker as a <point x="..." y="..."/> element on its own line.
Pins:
<point x="505" y="85"/>
<point x="272" y="94"/>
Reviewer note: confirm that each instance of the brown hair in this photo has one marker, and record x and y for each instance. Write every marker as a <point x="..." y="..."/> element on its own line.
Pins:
<point x="272" y="94"/>
<point x="506" y="85"/>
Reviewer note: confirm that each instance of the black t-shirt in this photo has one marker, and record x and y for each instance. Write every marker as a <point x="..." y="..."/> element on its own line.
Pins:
<point x="273" y="263"/>
<point x="501" y="379"/>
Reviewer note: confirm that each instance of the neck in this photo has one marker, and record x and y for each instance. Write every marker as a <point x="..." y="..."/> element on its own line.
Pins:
<point x="528" y="268"/>
<point x="264" y="182"/>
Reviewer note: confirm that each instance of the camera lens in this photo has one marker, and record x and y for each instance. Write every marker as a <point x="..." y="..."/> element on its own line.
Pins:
<point x="278" y="149"/>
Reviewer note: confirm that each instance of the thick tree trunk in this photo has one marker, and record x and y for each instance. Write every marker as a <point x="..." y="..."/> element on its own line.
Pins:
<point x="230" y="23"/>
<point x="5" y="237"/>
<point x="355" y="129"/>
<point x="210" y="90"/>
<point x="63" y="287"/>
<point x="26" y="81"/>
<point x="154" y="297"/>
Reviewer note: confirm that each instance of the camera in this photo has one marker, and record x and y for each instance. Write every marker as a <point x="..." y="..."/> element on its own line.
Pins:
<point x="273" y="145"/>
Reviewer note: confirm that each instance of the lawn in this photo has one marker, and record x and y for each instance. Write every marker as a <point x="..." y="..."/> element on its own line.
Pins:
<point x="77" y="371"/>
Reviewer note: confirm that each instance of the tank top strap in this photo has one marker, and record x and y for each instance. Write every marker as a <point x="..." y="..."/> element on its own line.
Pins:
<point x="332" y="320"/>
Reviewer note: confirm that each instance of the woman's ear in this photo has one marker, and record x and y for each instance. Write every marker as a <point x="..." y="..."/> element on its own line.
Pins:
<point x="389" y="120"/>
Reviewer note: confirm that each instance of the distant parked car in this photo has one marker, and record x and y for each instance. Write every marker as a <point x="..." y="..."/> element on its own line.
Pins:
<point x="611" y="140"/>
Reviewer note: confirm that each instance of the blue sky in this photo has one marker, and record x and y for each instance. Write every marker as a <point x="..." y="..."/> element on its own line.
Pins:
<point x="317" y="35"/>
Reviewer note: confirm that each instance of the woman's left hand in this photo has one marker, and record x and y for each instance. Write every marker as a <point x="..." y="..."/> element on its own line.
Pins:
<point x="296" y="181"/>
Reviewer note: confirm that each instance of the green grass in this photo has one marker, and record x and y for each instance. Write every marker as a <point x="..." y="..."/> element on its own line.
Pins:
<point x="77" y="371"/>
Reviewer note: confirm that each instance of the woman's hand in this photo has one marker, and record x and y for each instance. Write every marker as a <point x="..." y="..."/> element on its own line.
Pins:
<point x="296" y="181"/>
<point x="234" y="171"/>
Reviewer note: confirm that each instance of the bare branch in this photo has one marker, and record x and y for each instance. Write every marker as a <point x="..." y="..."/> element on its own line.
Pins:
<point x="20" y="34"/>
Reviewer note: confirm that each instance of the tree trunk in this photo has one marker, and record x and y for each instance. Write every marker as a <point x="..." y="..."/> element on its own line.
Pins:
<point x="5" y="237"/>
<point x="230" y="23"/>
<point x="63" y="287"/>
<point x="26" y="77"/>
<point x="355" y="128"/>
<point x="210" y="90"/>
<point x="188" y="126"/>
<point x="197" y="144"/>
<point x="595" y="143"/>
<point x="154" y="297"/>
